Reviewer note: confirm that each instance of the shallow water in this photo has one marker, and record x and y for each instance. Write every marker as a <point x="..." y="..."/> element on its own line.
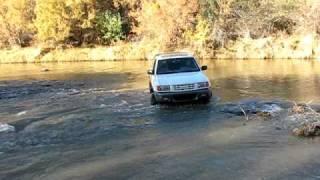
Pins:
<point x="94" y="121"/>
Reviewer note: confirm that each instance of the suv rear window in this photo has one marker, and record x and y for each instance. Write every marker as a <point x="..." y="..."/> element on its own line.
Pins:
<point x="177" y="65"/>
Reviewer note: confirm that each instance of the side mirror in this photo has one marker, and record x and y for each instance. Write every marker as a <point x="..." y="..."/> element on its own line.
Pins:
<point x="150" y="72"/>
<point x="204" y="68"/>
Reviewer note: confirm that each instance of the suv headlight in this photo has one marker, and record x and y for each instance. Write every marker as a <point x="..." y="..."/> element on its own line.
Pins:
<point x="203" y="85"/>
<point x="163" y="88"/>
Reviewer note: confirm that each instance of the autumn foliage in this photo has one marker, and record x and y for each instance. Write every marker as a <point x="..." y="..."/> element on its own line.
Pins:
<point x="211" y="26"/>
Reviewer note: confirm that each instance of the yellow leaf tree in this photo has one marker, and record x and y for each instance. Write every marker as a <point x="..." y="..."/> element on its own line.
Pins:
<point x="57" y="20"/>
<point x="16" y="25"/>
<point x="166" y="21"/>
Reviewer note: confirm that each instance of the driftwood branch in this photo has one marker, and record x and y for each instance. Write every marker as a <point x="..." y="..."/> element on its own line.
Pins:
<point x="244" y="113"/>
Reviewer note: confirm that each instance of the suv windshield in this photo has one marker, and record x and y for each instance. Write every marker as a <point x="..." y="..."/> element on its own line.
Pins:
<point x="177" y="65"/>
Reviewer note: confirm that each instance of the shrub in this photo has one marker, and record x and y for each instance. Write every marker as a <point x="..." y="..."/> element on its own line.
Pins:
<point x="110" y="26"/>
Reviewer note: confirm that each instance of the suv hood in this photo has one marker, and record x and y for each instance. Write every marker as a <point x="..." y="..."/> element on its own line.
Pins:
<point x="181" y="78"/>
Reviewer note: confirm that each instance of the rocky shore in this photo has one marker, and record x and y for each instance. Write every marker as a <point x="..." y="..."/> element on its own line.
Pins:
<point x="300" y="119"/>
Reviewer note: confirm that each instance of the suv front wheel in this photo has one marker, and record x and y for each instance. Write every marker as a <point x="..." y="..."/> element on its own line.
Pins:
<point x="153" y="100"/>
<point x="150" y="88"/>
<point x="206" y="100"/>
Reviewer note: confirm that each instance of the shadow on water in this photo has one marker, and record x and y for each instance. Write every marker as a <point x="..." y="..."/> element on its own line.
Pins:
<point x="94" y="121"/>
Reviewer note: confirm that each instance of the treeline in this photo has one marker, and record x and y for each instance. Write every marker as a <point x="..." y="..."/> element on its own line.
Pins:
<point x="165" y="24"/>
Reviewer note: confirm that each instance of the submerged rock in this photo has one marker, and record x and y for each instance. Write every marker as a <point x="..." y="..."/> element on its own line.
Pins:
<point x="260" y="108"/>
<point x="232" y="109"/>
<point x="308" y="129"/>
<point x="270" y="108"/>
<point x="300" y="119"/>
<point x="278" y="128"/>
<point x="102" y="106"/>
<point x="6" y="128"/>
<point x="74" y="92"/>
<point x="300" y="108"/>
<point x="21" y="113"/>
<point x="45" y="70"/>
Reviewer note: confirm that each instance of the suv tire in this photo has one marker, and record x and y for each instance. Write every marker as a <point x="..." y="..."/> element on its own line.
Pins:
<point x="150" y="88"/>
<point x="206" y="100"/>
<point x="153" y="100"/>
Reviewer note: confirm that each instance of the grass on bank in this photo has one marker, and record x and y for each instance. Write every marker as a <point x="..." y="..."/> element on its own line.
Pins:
<point x="281" y="47"/>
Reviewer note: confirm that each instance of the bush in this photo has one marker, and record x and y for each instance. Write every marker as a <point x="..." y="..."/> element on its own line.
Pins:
<point x="110" y="27"/>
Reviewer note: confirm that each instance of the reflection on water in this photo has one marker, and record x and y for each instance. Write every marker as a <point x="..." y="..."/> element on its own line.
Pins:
<point x="94" y="121"/>
<point x="296" y="80"/>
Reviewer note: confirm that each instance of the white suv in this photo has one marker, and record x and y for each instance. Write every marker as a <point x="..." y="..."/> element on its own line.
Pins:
<point x="176" y="77"/>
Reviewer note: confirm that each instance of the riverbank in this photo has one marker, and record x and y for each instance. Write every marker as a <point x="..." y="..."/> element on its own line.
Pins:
<point x="37" y="55"/>
<point x="297" y="47"/>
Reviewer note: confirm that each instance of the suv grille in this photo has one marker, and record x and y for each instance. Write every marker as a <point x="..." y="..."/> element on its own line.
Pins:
<point x="184" y="87"/>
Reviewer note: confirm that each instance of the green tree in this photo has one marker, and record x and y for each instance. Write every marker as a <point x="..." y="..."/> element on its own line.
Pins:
<point x="110" y="26"/>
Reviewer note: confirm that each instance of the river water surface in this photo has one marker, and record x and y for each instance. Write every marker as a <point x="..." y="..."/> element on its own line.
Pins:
<point x="94" y="121"/>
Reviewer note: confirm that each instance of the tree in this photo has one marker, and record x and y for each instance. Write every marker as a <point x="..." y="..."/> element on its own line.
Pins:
<point x="16" y="27"/>
<point x="52" y="20"/>
<point x="57" y="20"/>
<point x="165" y="21"/>
<point x="110" y="26"/>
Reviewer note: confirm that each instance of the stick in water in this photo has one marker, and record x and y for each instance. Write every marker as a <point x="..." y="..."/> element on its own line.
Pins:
<point x="244" y="113"/>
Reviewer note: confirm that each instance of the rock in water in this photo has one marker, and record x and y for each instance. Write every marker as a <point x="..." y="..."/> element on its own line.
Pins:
<point x="308" y="129"/>
<point x="22" y="113"/>
<point x="74" y="92"/>
<point x="259" y="108"/>
<point x="303" y="121"/>
<point x="271" y="108"/>
<point x="6" y="128"/>
<point x="299" y="108"/>
<point x="45" y="70"/>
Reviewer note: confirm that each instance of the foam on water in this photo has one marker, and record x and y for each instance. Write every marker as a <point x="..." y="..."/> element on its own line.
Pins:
<point x="6" y="128"/>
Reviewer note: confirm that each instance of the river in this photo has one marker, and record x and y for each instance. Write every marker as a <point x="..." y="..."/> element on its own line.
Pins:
<point x="93" y="120"/>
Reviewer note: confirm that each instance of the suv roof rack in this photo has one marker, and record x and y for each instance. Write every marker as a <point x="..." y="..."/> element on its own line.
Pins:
<point x="172" y="54"/>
